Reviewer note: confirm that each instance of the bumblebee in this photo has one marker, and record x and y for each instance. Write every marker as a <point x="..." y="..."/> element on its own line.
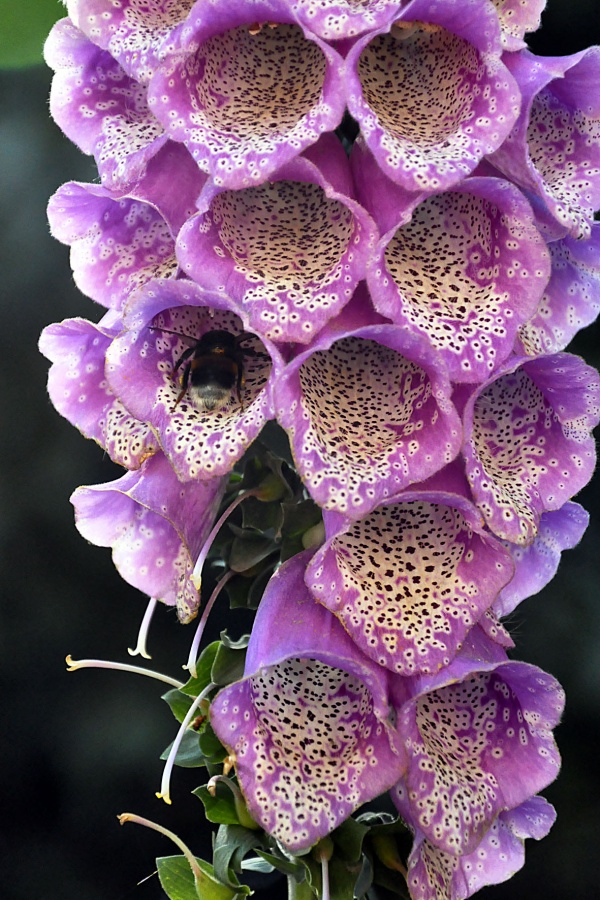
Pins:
<point x="213" y="368"/>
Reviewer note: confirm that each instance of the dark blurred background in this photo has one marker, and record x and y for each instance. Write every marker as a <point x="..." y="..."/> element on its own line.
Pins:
<point x="77" y="749"/>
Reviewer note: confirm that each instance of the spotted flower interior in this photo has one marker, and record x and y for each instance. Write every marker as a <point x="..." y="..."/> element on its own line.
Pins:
<point x="340" y="247"/>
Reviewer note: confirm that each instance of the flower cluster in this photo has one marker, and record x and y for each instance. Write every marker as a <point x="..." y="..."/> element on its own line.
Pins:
<point x="372" y="222"/>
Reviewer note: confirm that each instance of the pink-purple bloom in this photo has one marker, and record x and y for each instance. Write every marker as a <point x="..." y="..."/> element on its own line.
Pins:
<point x="290" y="251"/>
<point x="246" y="89"/>
<point x="554" y="148"/>
<point x="368" y="413"/>
<point x="528" y="443"/>
<point x="431" y="93"/>
<point x="310" y="724"/>
<point x="410" y="579"/>
<point x="479" y="740"/>
<point x="371" y="221"/>
<point x="141" y="371"/>
<point x="155" y="536"/>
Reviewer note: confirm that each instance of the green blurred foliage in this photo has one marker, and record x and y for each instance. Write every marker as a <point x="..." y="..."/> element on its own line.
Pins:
<point x="24" y="26"/>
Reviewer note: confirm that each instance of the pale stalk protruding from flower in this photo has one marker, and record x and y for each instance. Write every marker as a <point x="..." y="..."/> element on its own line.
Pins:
<point x="74" y="664"/>
<point x="140" y="647"/>
<point x="191" y="663"/>
<point x="139" y="820"/>
<point x="197" y="573"/>
<point x="163" y="794"/>
<point x="323" y="853"/>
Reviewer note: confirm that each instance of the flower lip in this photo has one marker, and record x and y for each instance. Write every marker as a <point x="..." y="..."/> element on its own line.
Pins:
<point x="368" y="413"/>
<point x="309" y="724"/>
<point x="411" y="578"/>
<point x="560" y="108"/>
<point x="291" y="251"/>
<point x="339" y="20"/>
<point x="528" y="446"/>
<point x="132" y="32"/>
<point x="247" y="89"/>
<point x="480" y="738"/>
<point x="78" y="389"/>
<point x="166" y="320"/>
<point x="100" y="108"/>
<point x="432" y="98"/>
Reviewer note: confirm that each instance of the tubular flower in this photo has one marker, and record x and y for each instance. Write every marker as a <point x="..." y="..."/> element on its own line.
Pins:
<point x="368" y="413"/>
<point x="80" y="392"/>
<point x="118" y="243"/>
<point x="373" y="221"/>
<point x="572" y="298"/>
<point x="166" y="319"/>
<point x="409" y="580"/>
<point x="290" y="251"/>
<point x="554" y="148"/>
<point x="536" y="564"/>
<point x="246" y="89"/>
<point x="156" y="527"/>
<point x="465" y="268"/>
<point x="435" y="875"/>
<point x="132" y="31"/>
<point x="528" y="445"/>
<point x="100" y="108"/>
<point x="518" y="19"/>
<point x="310" y="725"/>
<point x="431" y="94"/>
<point x="479" y="741"/>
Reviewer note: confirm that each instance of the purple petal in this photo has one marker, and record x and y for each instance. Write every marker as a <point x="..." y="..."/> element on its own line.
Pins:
<point x="528" y="447"/>
<point x="410" y="579"/>
<point x="80" y="392"/>
<point x="291" y="251"/>
<point x="337" y="20"/>
<point x="246" y="89"/>
<point x="435" y="875"/>
<point x="132" y="32"/>
<point x="368" y="413"/>
<point x="117" y="245"/>
<point x="536" y="565"/>
<point x="554" y="148"/>
<point x="309" y="725"/>
<point x="430" y="98"/>
<point x="101" y="109"/>
<point x="477" y="747"/>
<point x="140" y="368"/>
<point x="517" y="19"/>
<point x="156" y="527"/>
<point x="466" y="271"/>
<point x="572" y="298"/>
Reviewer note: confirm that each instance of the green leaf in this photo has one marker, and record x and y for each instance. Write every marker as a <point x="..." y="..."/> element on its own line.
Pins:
<point x="342" y="878"/>
<point x="240" y="644"/>
<point x="228" y="665"/>
<point x="232" y="843"/>
<point x="211" y="747"/>
<point x="179" y="704"/>
<point x="258" y="586"/>
<point x="24" y="27"/>
<point x="177" y="881"/>
<point x="287" y="866"/>
<point x="219" y="809"/>
<point x="348" y="839"/>
<point x="189" y="754"/>
<point x="249" y="550"/>
<point x="298" y="518"/>
<point x="204" y="665"/>
<point x="262" y="517"/>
